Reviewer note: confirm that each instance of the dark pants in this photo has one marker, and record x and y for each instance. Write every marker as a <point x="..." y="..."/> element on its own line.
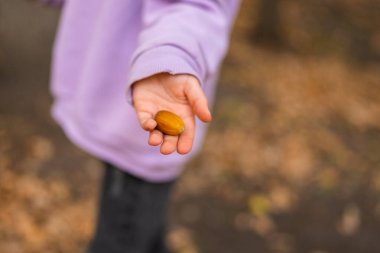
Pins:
<point x="131" y="216"/>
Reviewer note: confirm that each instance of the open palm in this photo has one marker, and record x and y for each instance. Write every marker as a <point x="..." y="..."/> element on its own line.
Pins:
<point x="180" y="94"/>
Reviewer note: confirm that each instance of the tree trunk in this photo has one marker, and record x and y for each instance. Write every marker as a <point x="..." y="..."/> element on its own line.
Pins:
<point x="268" y="30"/>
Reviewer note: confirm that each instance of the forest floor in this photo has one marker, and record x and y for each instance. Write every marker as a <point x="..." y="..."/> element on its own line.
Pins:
<point x="291" y="162"/>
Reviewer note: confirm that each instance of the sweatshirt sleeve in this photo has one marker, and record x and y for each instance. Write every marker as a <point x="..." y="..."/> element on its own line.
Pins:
<point x="182" y="37"/>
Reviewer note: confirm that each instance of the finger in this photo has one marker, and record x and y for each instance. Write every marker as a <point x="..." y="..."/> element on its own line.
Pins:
<point x="186" y="139"/>
<point x="146" y="121"/>
<point x="155" y="138"/>
<point x="169" y="144"/>
<point x="198" y="101"/>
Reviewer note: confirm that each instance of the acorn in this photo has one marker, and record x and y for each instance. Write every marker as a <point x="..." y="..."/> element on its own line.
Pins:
<point x="169" y="123"/>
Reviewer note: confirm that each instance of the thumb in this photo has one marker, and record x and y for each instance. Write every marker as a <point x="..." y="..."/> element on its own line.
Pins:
<point x="198" y="100"/>
<point x="146" y="120"/>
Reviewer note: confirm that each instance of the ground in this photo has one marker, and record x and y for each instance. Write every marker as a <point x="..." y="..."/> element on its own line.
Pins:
<point x="298" y="170"/>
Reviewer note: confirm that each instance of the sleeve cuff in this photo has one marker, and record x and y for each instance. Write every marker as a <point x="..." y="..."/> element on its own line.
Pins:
<point x="163" y="59"/>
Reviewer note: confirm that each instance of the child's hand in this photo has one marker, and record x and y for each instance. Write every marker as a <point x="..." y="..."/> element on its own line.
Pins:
<point x="180" y="94"/>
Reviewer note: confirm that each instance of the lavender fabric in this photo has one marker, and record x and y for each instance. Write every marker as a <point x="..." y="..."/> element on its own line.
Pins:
<point x="103" y="47"/>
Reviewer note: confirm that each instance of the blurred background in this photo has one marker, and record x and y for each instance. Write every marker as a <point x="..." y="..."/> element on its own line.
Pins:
<point x="298" y="111"/>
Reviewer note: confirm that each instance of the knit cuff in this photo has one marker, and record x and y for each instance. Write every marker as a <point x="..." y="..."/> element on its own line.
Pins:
<point x="161" y="59"/>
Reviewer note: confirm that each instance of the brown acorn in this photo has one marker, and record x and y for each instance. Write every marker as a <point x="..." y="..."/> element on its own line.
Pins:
<point x="169" y="123"/>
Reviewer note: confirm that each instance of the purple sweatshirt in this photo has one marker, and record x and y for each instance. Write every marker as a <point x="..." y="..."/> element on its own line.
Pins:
<point x="104" y="46"/>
